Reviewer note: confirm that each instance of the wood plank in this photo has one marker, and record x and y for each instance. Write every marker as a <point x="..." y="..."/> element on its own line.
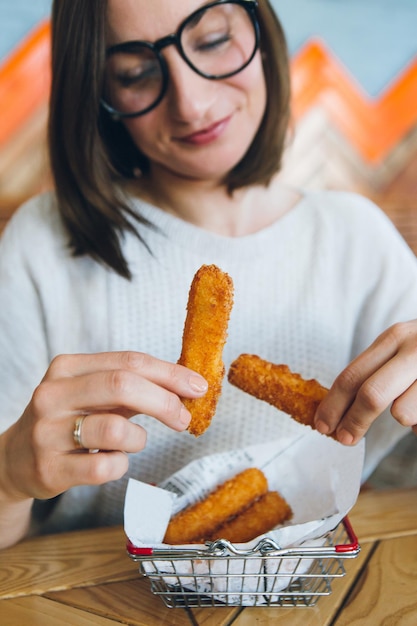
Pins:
<point x="63" y="561"/>
<point x="37" y="611"/>
<point x="321" y="614"/>
<point x="386" y="592"/>
<point x="134" y="601"/>
<point x="217" y="616"/>
<point x="131" y="601"/>
<point x="387" y="513"/>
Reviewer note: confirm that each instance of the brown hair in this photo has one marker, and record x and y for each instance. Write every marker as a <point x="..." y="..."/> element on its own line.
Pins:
<point x="91" y="154"/>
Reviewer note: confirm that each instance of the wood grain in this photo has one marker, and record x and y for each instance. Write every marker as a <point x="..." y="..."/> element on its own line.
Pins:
<point x="387" y="591"/>
<point x="38" y="611"/>
<point x="132" y="599"/>
<point x="385" y="513"/>
<point x="64" y="561"/>
<point x="139" y="606"/>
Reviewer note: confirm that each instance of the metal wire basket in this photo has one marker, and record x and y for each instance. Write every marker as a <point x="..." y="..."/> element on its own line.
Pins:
<point x="222" y="575"/>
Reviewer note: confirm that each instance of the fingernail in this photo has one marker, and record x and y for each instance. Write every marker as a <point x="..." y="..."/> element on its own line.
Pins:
<point x="345" y="437"/>
<point x="322" y="427"/>
<point x="185" y="416"/>
<point x="198" y="383"/>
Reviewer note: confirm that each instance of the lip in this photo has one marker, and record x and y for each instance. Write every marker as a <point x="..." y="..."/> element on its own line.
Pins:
<point x="206" y="135"/>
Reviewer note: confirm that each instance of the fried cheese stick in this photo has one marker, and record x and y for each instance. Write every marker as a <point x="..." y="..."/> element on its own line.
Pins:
<point x="200" y="520"/>
<point x="277" y="385"/>
<point x="262" y="516"/>
<point x="209" y="305"/>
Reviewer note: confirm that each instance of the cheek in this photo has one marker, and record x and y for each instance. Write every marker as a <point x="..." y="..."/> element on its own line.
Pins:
<point x="260" y="97"/>
<point x="252" y="82"/>
<point x="259" y="83"/>
<point x="143" y="131"/>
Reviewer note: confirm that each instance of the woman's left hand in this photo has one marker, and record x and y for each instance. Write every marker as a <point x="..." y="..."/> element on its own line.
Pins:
<point x="383" y="375"/>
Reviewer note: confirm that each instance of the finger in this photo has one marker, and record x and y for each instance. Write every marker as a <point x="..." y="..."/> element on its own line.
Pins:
<point x="109" y="432"/>
<point x="172" y="376"/>
<point x="347" y="385"/>
<point x="107" y="391"/>
<point x="404" y="408"/>
<point x="82" y="469"/>
<point x="377" y="393"/>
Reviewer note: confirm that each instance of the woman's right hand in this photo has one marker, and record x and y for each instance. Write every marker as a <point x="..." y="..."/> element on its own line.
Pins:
<point x="39" y="456"/>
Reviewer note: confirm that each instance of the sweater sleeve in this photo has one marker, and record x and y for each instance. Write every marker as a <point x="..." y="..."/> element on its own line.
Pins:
<point x="393" y="299"/>
<point x="51" y="302"/>
<point x="392" y="267"/>
<point x="383" y="266"/>
<point x="23" y="345"/>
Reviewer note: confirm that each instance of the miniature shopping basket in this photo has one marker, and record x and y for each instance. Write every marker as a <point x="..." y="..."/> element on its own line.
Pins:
<point x="222" y="575"/>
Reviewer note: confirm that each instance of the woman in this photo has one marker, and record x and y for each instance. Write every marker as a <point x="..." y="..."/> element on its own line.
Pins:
<point x="165" y="151"/>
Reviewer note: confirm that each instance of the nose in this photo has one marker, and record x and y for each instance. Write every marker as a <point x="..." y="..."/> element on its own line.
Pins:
<point x="189" y="95"/>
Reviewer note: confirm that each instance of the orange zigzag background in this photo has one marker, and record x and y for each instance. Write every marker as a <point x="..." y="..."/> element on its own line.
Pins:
<point x="24" y="81"/>
<point x="373" y="127"/>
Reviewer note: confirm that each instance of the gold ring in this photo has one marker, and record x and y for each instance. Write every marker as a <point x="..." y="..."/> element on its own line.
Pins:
<point x="76" y="433"/>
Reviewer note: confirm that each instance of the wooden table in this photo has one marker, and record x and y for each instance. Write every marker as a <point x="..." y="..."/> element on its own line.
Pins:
<point x="85" y="578"/>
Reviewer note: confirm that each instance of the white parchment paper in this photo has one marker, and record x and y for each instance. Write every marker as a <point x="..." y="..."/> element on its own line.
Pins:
<point x="319" y="478"/>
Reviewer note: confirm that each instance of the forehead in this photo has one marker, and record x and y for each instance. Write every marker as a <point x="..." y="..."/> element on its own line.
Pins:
<point x="146" y="19"/>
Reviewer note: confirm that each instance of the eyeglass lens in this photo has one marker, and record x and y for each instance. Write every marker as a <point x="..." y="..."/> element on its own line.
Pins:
<point x="216" y="42"/>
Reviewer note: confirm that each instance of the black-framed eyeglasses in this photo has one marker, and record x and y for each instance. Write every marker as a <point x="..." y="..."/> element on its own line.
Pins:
<point x="217" y="41"/>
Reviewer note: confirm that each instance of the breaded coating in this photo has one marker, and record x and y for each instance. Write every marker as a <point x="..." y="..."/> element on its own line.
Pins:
<point x="209" y="305"/>
<point x="200" y="520"/>
<point x="277" y="385"/>
<point x="262" y="516"/>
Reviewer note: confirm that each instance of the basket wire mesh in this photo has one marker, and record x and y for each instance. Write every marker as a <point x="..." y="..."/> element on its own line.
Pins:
<point x="266" y="575"/>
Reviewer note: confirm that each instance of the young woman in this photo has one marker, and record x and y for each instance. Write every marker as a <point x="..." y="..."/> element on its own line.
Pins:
<point x="167" y="126"/>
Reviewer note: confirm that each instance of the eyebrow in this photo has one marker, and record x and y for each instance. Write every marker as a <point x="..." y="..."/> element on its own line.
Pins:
<point x="202" y="6"/>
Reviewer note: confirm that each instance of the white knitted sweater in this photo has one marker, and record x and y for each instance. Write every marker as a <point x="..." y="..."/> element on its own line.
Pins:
<point x="312" y="290"/>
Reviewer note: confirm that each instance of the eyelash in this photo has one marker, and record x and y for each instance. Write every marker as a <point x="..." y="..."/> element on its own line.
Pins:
<point x="213" y="44"/>
<point x="126" y="80"/>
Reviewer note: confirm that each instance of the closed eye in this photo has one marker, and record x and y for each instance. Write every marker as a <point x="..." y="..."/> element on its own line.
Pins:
<point x="212" y="43"/>
<point x="142" y="76"/>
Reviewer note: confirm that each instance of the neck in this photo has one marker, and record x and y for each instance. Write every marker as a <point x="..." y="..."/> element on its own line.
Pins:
<point x="208" y="205"/>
